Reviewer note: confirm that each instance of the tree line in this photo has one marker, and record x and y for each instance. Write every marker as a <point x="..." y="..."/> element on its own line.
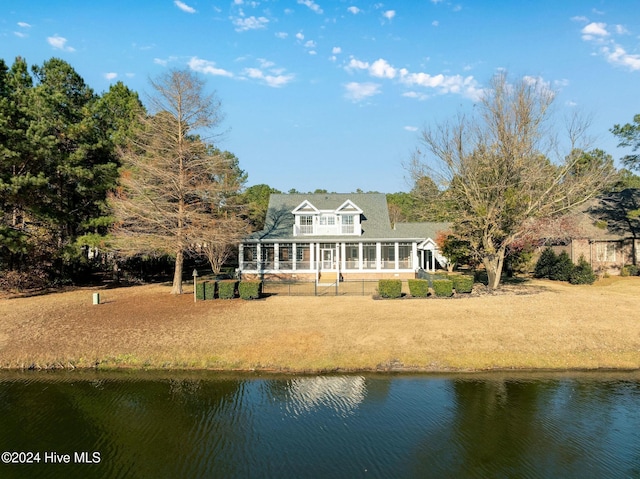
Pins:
<point x="84" y="174"/>
<point x="91" y="180"/>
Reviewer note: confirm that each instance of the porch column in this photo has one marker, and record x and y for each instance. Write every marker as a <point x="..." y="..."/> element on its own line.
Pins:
<point x="294" y="253"/>
<point x="276" y="256"/>
<point x="414" y="255"/>
<point x="396" y="254"/>
<point x="241" y="257"/>
<point x="360" y="260"/>
<point x="378" y="256"/>
<point x="259" y="258"/>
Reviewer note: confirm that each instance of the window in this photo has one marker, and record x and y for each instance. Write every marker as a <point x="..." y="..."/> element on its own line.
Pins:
<point x="303" y="256"/>
<point x="404" y="255"/>
<point x="285" y="256"/>
<point x="347" y="224"/>
<point x="268" y="256"/>
<point x="351" y="255"/>
<point x="250" y="257"/>
<point x="369" y="256"/>
<point x="388" y="255"/>
<point x="327" y="220"/>
<point x="306" y="224"/>
<point x="606" y="252"/>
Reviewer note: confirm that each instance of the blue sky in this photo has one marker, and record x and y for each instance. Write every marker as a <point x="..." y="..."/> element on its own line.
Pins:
<point x="333" y="94"/>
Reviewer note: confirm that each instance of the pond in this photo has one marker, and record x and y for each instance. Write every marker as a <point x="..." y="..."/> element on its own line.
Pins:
<point x="198" y="424"/>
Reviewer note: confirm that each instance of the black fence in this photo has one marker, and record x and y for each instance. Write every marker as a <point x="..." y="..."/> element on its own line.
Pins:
<point x="352" y="287"/>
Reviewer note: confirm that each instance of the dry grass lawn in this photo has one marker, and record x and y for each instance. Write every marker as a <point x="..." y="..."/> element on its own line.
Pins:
<point x="552" y="326"/>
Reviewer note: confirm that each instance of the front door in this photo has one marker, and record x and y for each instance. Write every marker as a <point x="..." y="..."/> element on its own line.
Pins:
<point x="326" y="256"/>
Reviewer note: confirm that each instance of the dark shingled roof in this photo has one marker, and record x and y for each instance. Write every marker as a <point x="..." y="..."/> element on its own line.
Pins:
<point x="606" y="217"/>
<point x="375" y="218"/>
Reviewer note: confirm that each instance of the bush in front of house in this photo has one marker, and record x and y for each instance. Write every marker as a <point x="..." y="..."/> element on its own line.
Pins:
<point x="249" y="289"/>
<point x="462" y="283"/>
<point x="209" y="289"/>
<point x="200" y="291"/>
<point x="563" y="268"/>
<point x="227" y="289"/>
<point x="443" y="287"/>
<point x="545" y="265"/>
<point x="582" y="273"/>
<point x="629" y="270"/>
<point x="418" y="288"/>
<point x="390" y="288"/>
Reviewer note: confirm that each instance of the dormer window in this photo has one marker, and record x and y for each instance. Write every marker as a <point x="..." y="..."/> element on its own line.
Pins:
<point x="306" y="224"/>
<point x="309" y="220"/>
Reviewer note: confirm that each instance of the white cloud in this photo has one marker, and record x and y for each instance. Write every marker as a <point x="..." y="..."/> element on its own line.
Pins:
<point x="356" y="92"/>
<point x="311" y="4"/>
<point x="273" y="77"/>
<point x="282" y="35"/>
<point x="310" y="44"/>
<point x="466" y="86"/>
<point x="20" y="34"/>
<point x="355" y="64"/>
<point x="250" y="23"/>
<point x="415" y="94"/>
<point x="619" y="56"/>
<point x="621" y="30"/>
<point x="354" y="10"/>
<point x="184" y="7"/>
<point x="336" y="50"/>
<point x="300" y="36"/>
<point x="381" y="69"/>
<point x="389" y="14"/>
<point x="110" y="75"/>
<point x="598" y="34"/>
<point x="59" y="43"/>
<point x="207" y="67"/>
<point x="579" y="18"/>
<point x="411" y="128"/>
<point x="24" y="25"/>
<point x="594" y="30"/>
<point x="435" y="23"/>
<point x="164" y="62"/>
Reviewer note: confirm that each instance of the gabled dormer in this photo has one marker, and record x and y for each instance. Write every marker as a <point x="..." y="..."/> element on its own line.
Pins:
<point x="309" y="220"/>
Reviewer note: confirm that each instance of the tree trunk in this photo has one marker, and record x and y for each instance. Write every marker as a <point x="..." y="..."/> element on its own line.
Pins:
<point x="493" y="264"/>
<point x="177" y="274"/>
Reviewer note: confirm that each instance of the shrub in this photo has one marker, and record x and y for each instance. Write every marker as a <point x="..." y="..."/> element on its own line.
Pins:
<point x="200" y="291"/>
<point x="390" y="288"/>
<point x="563" y="267"/>
<point x="249" y="289"/>
<point x="443" y="287"/>
<point x="582" y="273"/>
<point x="629" y="270"/>
<point x="463" y="283"/>
<point x="419" y="288"/>
<point x="227" y="289"/>
<point x="546" y="262"/>
<point x="209" y="289"/>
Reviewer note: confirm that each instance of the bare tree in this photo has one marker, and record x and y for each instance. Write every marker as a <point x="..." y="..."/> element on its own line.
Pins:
<point x="174" y="184"/>
<point x="502" y="168"/>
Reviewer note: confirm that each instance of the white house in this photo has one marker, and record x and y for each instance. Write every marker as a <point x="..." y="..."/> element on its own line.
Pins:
<point x="337" y="236"/>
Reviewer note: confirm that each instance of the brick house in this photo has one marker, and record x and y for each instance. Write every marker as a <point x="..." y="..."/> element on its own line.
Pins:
<point x="605" y="233"/>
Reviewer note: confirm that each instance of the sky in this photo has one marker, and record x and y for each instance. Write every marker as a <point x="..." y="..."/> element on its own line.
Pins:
<point x="334" y="94"/>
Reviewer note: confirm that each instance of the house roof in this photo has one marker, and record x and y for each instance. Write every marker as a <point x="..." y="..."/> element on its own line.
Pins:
<point x="605" y="218"/>
<point x="375" y="218"/>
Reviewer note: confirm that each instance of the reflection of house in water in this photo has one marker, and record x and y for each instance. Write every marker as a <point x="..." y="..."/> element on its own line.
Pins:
<point x="343" y="394"/>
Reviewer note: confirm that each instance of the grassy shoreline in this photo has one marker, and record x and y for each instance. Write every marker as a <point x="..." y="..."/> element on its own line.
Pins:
<point x="540" y="326"/>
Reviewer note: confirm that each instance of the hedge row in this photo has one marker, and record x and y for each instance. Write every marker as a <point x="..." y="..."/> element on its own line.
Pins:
<point x="228" y="289"/>
<point x="419" y="288"/>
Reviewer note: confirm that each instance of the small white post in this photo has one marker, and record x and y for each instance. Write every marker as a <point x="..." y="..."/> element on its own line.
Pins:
<point x="96" y="298"/>
<point x="195" y="283"/>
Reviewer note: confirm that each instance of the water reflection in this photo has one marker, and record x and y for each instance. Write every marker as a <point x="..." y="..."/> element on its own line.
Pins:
<point x="205" y="425"/>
